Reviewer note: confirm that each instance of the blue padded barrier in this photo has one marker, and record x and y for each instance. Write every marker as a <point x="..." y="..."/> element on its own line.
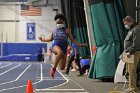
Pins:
<point x="21" y="51"/>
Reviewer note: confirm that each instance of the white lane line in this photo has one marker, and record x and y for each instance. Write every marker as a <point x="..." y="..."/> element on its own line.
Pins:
<point x="41" y="73"/>
<point x="10" y="69"/>
<point x="23" y="72"/>
<point x="62" y="83"/>
<point x="78" y="85"/>
<point x="67" y="80"/>
<point x="71" y="90"/>
<point x="17" y="77"/>
<point x="50" y="77"/>
<point x="57" y="79"/>
<point x="6" y="65"/>
<point x="65" y="92"/>
<point x="18" y="87"/>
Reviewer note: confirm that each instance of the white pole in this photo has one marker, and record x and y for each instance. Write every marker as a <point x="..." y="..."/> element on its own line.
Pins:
<point x="16" y="32"/>
<point x="89" y="26"/>
<point x="2" y="43"/>
<point x="136" y="11"/>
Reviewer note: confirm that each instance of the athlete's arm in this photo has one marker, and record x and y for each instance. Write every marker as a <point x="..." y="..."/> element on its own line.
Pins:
<point x="75" y="53"/>
<point x="47" y="39"/>
<point x="72" y="39"/>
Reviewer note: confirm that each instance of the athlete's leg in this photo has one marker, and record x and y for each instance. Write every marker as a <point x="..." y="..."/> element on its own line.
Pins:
<point x="58" y="55"/>
<point x="67" y="60"/>
<point x="63" y="62"/>
<point x="78" y="63"/>
<point x="69" y="64"/>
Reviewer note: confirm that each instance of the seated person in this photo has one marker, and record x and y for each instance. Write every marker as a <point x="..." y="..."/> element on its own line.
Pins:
<point x="85" y="65"/>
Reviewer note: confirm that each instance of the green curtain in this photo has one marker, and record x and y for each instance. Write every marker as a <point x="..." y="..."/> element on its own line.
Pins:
<point x="74" y="12"/>
<point x="109" y="34"/>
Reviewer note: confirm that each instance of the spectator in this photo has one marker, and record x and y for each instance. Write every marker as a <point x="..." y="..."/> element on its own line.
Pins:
<point x="85" y="65"/>
<point x="132" y="47"/>
<point x="49" y="54"/>
<point x="68" y="55"/>
<point x="39" y="54"/>
<point x="74" y="56"/>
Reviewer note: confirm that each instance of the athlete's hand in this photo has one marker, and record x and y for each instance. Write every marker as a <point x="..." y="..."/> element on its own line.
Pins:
<point x="84" y="45"/>
<point x="41" y="37"/>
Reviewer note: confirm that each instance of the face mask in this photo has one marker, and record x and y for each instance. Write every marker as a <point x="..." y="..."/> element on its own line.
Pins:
<point x="126" y="26"/>
<point x="60" y="25"/>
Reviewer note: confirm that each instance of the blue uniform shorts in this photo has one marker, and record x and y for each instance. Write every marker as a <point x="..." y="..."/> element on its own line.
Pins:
<point x="62" y="46"/>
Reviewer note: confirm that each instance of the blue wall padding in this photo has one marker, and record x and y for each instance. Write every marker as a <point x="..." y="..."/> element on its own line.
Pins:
<point x="18" y="57"/>
<point x="11" y="49"/>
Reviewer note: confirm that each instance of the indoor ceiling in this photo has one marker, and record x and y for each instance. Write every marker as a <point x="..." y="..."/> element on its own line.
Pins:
<point x="40" y="3"/>
<point x="18" y="0"/>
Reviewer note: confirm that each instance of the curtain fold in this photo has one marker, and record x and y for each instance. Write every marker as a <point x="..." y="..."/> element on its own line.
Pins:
<point x="74" y="12"/>
<point x="109" y="34"/>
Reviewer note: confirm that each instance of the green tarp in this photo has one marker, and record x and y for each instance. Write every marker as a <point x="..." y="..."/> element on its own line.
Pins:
<point x="109" y="34"/>
<point x="74" y="12"/>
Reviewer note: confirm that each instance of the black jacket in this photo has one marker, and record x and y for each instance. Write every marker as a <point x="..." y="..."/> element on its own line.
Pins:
<point x="132" y="40"/>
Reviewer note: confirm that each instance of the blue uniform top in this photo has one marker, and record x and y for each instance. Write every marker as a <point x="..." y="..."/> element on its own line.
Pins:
<point x="60" y="38"/>
<point x="74" y="46"/>
<point x="85" y="62"/>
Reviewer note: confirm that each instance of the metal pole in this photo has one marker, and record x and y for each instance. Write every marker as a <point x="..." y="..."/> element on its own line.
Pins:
<point x="1" y="43"/>
<point x="89" y="26"/>
<point x="16" y="32"/>
<point x="136" y="11"/>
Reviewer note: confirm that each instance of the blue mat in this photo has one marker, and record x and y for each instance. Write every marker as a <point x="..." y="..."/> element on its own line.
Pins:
<point x="19" y="57"/>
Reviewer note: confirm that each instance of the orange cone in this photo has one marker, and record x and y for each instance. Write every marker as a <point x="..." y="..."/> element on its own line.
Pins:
<point x="29" y="88"/>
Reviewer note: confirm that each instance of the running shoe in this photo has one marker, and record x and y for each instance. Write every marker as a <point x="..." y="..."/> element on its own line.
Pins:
<point x="73" y="70"/>
<point x="52" y="72"/>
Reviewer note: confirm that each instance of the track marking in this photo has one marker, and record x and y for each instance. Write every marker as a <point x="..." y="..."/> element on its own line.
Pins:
<point x="23" y="72"/>
<point x="64" y="92"/>
<point x="6" y="65"/>
<point x="56" y="79"/>
<point x="18" y="86"/>
<point x="41" y="79"/>
<point x="49" y="78"/>
<point x="9" y="69"/>
<point x="78" y="84"/>
<point x="41" y="73"/>
<point x="67" y="80"/>
<point x="63" y="89"/>
<point x="17" y="77"/>
<point x="21" y="86"/>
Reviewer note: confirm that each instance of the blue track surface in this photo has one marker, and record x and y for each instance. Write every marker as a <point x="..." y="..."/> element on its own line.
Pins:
<point x="14" y="76"/>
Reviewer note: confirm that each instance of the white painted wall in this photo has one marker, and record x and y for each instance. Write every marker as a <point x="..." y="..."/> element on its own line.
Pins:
<point x="7" y="12"/>
<point x="44" y="24"/>
<point x="13" y="25"/>
<point x="8" y="24"/>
